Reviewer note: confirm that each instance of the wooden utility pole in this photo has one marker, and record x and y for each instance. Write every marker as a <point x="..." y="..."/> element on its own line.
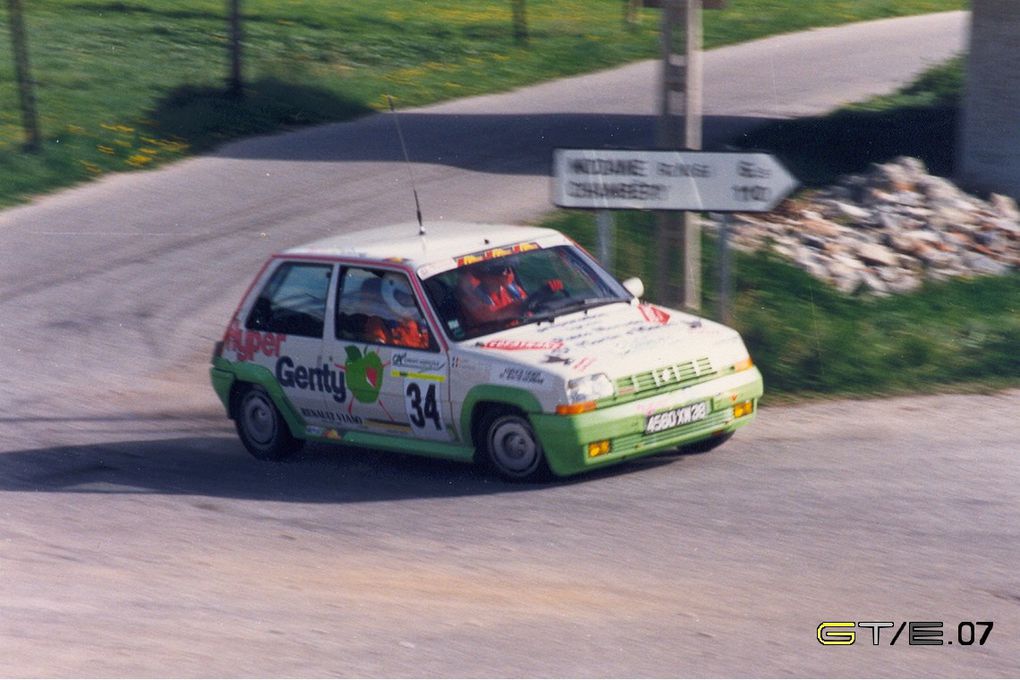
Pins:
<point x="520" y="14"/>
<point x="22" y="73"/>
<point x="681" y="92"/>
<point x="235" y="79"/>
<point x="631" y="10"/>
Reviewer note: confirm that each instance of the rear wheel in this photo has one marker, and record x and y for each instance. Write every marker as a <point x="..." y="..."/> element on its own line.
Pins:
<point x="261" y="426"/>
<point x="511" y="448"/>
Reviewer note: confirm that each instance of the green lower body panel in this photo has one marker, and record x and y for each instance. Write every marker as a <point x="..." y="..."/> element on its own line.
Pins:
<point x="627" y="431"/>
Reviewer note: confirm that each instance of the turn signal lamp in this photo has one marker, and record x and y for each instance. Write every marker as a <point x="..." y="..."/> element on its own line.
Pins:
<point x="601" y="448"/>
<point x="574" y="409"/>
<point x="743" y="365"/>
<point x="744" y="409"/>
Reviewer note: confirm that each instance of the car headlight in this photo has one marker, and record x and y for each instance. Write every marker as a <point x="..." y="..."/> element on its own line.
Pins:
<point x="589" y="388"/>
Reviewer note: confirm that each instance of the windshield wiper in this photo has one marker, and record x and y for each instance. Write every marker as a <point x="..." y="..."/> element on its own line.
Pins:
<point x="574" y="306"/>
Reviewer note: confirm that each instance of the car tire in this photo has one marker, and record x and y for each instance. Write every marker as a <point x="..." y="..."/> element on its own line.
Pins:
<point x="261" y="426"/>
<point x="511" y="448"/>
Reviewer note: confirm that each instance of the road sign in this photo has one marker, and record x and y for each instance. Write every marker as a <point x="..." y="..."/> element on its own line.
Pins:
<point x="616" y="179"/>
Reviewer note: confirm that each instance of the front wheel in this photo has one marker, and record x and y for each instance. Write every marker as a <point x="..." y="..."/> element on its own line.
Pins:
<point x="513" y="450"/>
<point x="261" y="426"/>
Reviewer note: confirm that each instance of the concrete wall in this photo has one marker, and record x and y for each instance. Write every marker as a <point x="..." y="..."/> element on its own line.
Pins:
<point x="989" y="143"/>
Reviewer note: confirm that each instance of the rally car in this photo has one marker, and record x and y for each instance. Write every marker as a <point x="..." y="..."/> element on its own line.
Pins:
<point x="506" y="345"/>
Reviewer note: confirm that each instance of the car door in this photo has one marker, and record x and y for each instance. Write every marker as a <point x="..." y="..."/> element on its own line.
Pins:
<point x="283" y="332"/>
<point x="397" y="376"/>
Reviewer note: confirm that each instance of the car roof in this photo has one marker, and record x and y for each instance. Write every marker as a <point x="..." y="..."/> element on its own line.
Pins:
<point x="443" y="241"/>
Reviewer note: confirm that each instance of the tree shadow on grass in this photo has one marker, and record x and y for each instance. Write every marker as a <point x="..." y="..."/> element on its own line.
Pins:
<point x="819" y="150"/>
<point x="205" y="117"/>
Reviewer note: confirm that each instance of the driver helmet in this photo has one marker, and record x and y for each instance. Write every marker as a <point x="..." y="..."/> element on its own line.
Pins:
<point x="496" y="274"/>
<point x="397" y="295"/>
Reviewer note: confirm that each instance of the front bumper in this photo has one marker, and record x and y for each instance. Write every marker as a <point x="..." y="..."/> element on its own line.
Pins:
<point x="566" y="438"/>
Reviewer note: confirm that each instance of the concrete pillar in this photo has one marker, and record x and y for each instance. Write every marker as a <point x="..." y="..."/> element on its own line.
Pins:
<point x="989" y="141"/>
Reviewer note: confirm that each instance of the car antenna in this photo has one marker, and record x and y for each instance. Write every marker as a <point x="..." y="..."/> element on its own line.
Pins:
<point x="410" y="171"/>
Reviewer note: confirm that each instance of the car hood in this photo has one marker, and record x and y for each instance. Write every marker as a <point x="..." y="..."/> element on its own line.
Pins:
<point x="618" y="340"/>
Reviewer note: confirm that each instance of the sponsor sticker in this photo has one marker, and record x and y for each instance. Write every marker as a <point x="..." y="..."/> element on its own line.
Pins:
<point x="522" y="345"/>
<point x="494" y="253"/>
<point x="654" y="314"/>
<point x="528" y="376"/>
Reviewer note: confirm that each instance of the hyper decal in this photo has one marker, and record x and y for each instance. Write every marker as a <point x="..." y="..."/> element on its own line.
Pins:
<point x="249" y="343"/>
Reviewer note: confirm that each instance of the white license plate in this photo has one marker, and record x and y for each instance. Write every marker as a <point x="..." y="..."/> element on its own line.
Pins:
<point x="677" y="417"/>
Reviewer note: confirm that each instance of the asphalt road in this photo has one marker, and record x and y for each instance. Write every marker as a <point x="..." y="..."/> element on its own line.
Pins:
<point x="138" y="539"/>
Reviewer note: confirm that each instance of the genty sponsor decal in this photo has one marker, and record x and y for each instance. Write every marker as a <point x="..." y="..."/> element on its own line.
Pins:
<point x="249" y="343"/>
<point x="315" y="378"/>
<point x="362" y="374"/>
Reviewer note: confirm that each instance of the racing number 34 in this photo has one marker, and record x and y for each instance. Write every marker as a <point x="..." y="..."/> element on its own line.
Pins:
<point x="422" y="408"/>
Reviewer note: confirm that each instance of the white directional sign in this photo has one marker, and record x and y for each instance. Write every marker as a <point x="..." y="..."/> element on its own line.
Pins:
<point x="669" y="180"/>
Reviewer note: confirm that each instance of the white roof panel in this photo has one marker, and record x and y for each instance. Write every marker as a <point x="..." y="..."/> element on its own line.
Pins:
<point x="443" y="241"/>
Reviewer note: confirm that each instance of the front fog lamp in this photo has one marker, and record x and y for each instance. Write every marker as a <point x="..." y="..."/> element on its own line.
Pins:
<point x="744" y="409"/>
<point x="589" y="388"/>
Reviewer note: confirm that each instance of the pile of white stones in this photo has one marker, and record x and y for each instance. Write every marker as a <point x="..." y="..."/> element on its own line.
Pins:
<point x="886" y="231"/>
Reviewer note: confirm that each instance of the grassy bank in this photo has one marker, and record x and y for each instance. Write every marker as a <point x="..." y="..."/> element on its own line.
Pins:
<point x="804" y="335"/>
<point x="128" y="84"/>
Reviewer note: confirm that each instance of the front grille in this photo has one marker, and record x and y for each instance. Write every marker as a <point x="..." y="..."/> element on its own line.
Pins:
<point x="681" y="374"/>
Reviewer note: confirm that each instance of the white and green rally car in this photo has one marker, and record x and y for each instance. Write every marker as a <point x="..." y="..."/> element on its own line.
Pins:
<point x="510" y="345"/>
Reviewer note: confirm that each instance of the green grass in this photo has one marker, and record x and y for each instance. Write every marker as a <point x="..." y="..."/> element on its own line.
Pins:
<point x="126" y="84"/>
<point x="806" y="337"/>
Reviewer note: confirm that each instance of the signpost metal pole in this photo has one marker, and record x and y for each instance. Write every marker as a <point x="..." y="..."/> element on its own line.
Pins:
<point x="725" y="277"/>
<point x="606" y="245"/>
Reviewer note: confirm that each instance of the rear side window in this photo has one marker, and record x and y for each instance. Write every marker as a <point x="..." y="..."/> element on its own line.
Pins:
<point x="293" y="301"/>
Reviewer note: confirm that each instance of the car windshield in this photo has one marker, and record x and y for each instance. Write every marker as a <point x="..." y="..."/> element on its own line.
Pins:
<point x="532" y="286"/>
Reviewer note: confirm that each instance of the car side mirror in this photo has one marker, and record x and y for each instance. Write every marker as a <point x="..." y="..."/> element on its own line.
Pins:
<point x="635" y="287"/>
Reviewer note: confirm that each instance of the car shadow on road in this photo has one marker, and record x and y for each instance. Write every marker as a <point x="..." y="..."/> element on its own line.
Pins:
<point x="219" y="467"/>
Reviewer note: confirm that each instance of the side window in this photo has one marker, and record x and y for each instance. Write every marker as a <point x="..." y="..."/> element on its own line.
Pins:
<point x="293" y="301"/>
<point x="378" y="307"/>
